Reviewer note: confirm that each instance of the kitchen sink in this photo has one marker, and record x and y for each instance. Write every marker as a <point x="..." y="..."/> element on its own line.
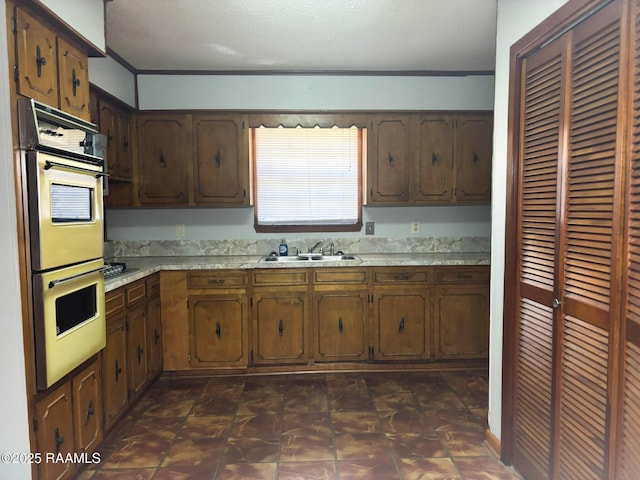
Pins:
<point x="311" y="258"/>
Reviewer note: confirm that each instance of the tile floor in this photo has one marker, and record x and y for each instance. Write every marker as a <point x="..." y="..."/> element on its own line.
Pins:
<point x="400" y="425"/>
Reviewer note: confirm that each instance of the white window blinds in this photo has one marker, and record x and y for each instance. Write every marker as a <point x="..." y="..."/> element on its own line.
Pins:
<point x="307" y="176"/>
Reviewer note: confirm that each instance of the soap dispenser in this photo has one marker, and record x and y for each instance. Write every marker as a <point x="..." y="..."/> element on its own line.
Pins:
<point x="284" y="249"/>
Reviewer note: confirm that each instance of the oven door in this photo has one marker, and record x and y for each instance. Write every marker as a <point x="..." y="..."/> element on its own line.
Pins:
<point x="65" y="210"/>
<point x="69" y="319"/>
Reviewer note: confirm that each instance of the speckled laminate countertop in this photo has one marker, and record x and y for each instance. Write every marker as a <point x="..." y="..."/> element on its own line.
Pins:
<point x="140" y="267"/>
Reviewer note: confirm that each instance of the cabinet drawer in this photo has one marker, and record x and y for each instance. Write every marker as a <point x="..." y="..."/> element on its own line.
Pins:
<point x="220" y="279"/>
<point x="328" y="276"/>
<point x="135" y="292"/>
<point x="114" y="301"/>
<point x="281" y="277"/>
<point x="153" y="286"/>
<point x="395" y="276"/>
<point x="462" y="274"/>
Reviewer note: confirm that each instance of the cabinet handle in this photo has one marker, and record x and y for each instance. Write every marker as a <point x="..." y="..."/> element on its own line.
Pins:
<point x="389" y="158"/>
<point x="475" y="157"/>
<point x="109" y="137"/>
<point x="59" y="440"/>
<point x="90" y="411"/>
<point x="340" y="325"/>
<point x="163" y="162"/>
<point x="125" y="143"/>
<point x="434" y="158"/>
<point x="402" y="276"/>
<point x="140" y="352"/>
<point x="281" y="327"/>
<point x="75" y="81"/>
<point x="118" y="371"/>
<point x="217" y="281"/>
<point x="556" y="303"/>
<point x="156" y="336"/>
<point x="401" y="325"/>
<point x="40" y="60"/>
<point x="218" y="331"/>
<point x="218" y="159"/>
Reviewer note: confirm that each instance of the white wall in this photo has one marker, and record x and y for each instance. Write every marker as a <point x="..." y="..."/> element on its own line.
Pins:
<point x="515" y="19"/>
<point x="237" y="223"/>
<point x="310" y="92"/>
<point x="113" y="78"/>
<point x="14" y="434"/>
<point x="83" y="16"/>
<point x="328" y="92"/>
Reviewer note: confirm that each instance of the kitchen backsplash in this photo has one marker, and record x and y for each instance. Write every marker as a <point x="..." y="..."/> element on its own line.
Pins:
<point x="169" y="248"/>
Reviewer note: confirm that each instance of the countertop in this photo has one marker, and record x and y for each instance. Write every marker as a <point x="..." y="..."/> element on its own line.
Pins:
<point x="140" y="267"/>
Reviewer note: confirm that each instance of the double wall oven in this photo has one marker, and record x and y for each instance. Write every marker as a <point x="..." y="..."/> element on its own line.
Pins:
<point x="65" y="170"/>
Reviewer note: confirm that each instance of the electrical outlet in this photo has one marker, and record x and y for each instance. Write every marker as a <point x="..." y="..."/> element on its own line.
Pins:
<point x="415" y="227"/>
<point x="369" y="228"/>
<point x="180" y="231"/>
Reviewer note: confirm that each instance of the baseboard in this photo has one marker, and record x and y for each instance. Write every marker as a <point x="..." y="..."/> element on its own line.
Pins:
<point x="492" y="442"/>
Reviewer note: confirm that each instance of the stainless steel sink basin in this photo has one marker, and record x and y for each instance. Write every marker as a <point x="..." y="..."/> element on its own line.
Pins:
<point x="311" y="258"/>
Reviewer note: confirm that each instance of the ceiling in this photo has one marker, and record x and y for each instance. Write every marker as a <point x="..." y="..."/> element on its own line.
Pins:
<point x="304" y="35"/>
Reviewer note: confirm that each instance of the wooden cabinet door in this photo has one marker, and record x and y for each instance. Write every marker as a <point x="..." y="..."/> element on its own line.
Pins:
<point x="340" y="320"/>
<point x="280" y="328"/>
<point x="221" y="160"/>
<point x="37" y="60"/>
<point x="124" y="147"/>
<point x="461" y="321"/>
<point x="73" y="76"/>
<point x="136" y="351"/>
<point x="473" y="154"/>
<point x="217" y="330"/>
<point x="434" y="163"/>
<point x="389" y="159"/>
<point x="114" y="370"/>
<point x="164" y="152"/>
<point x="154" y="337"/>
<point x="402" y="326"/>
<point x="87" y="407"/>
<point x="54" y="431"/>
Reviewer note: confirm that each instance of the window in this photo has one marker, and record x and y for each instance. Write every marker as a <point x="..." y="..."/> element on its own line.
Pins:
<point x="307" y="179"/>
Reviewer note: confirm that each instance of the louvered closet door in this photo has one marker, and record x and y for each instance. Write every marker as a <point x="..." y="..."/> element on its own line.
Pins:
<point x="588" y="246"/>
<point x="629" y="459"/>
<point x="542" y="106"/>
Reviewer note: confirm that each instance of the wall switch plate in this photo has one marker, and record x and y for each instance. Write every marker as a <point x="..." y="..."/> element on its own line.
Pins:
<point x="369" y="228"/>
<point x="180" y="231"/>
<point x="415" y="227"/>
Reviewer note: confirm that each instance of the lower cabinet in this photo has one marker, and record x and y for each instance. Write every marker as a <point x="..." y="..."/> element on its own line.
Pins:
<point x="340" y="315"/>
<point x="68" y="420"/>
<point x="234" y="319"/>
<point x="280" y="317"/>
<point x="402" y="313"/>
<point x="218" y="319"/>
<point x="217" y="330"/>
<point x="132" y="356"/>
<point x="114" y="368"/>
<point x="461" y="311"/>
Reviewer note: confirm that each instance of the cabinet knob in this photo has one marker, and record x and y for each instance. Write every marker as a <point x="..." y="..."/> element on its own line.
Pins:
<point x="218" y="159"/>
<point x="281" y="327"/>
<point x="340" y="325"/>
<point x="59" y="440"/>
<point x="90" y="411"/>
<point x="40" y="60"/>
<point x="218" y="330"/>
<point x="556" y="303"/>
<point x="389" y="158"/>
<point x="75" y="81"/>
<point x="434" y="158"/>
<point x="118" y="371"/>
<point x="401" y="325"/>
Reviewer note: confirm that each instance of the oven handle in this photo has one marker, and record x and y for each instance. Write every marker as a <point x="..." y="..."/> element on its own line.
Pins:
<point x="53" y="283"/>
<point x="49" y="164"/>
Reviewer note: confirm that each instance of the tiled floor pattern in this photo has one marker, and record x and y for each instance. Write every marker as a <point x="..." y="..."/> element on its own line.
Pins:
<point x="366" y="426"/>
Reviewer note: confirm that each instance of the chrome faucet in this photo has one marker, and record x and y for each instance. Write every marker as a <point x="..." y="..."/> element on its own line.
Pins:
<point x="314" y="247"/>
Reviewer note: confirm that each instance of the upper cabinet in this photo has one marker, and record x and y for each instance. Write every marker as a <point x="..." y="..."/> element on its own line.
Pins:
<point x="389" y="159"/>
<point x="220" y="160"/>
<point x="115" y="123"/>
<point x="164" y="150"/>
<point x="430" y="159"/>
<point x="49" y="69"/>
